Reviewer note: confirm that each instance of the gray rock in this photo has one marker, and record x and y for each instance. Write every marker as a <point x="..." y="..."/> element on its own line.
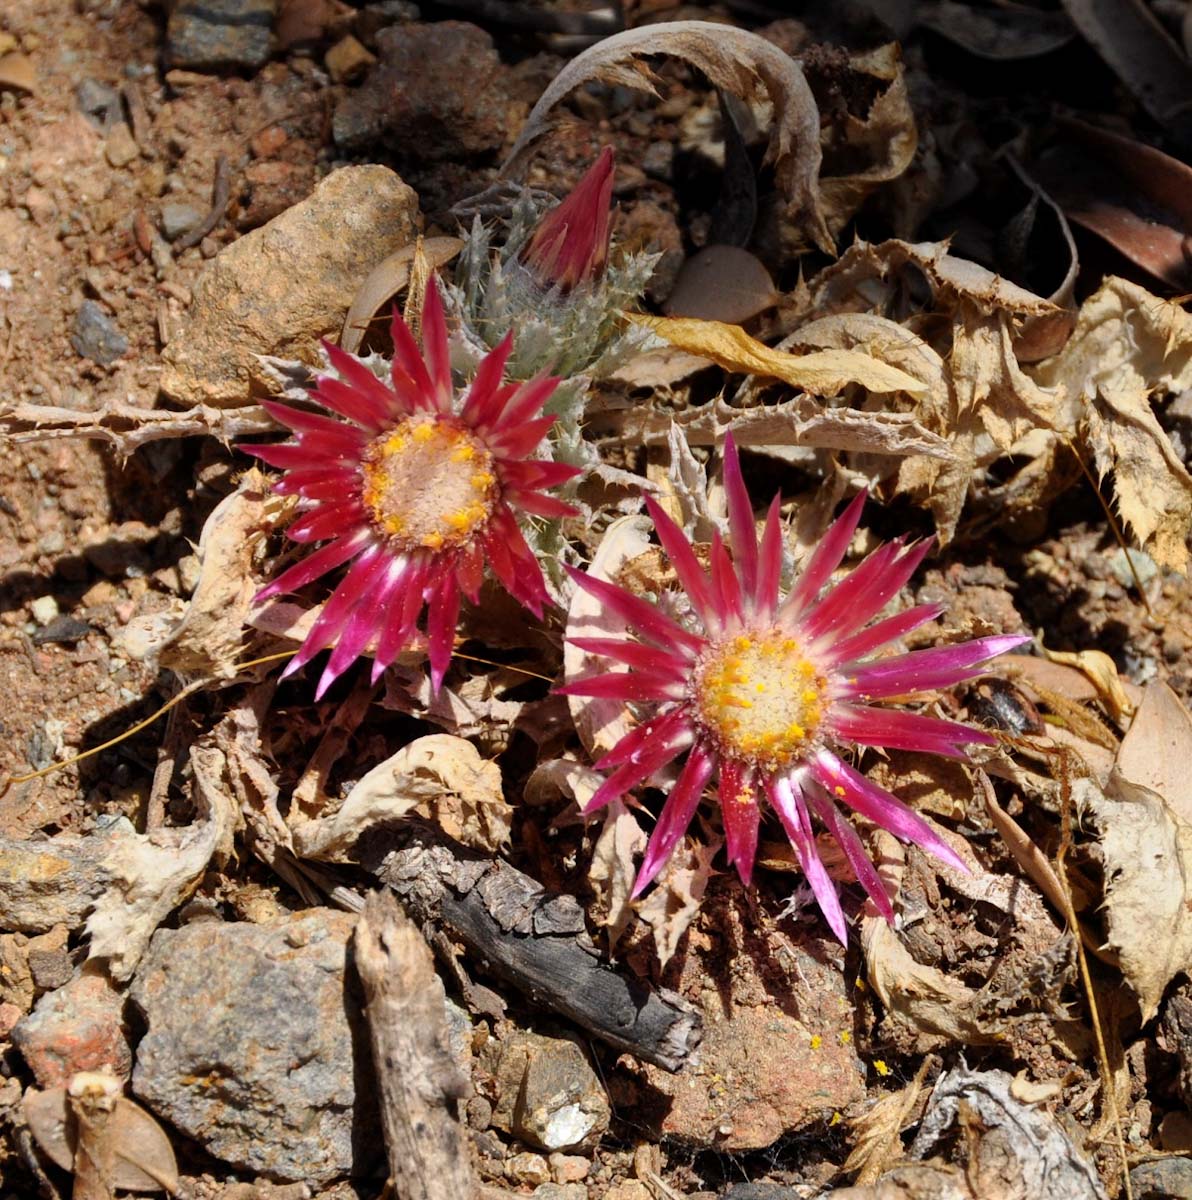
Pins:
<point x="99" y="102"/>
<point x="61" y="630"/>
<point x="54" y="882"/>
<point x="1167" y="1179"/>
<point x="548" y="1094"/>
<point x="207" y="35"/>
<point x="281" y="288"/>
<point x="251" y="1048"/>
<point x="95" y="335"/>
<point x="177" y="219"/>
<point x="437" y="93"/>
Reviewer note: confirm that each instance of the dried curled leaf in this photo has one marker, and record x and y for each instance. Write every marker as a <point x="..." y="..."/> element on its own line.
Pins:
<point x="439" y="776"/>
<point x="733" y="59"/>
<point x="614" y="868"/>
<point x="1127" y="346"/>
<point x="673" y="903"/>
<point x="131" y="1147"/>
<point x="1158" y="747"/>
<point x="1146" y="852"/>
<point x="209" y="639"/>
<point x="822" y="373"/>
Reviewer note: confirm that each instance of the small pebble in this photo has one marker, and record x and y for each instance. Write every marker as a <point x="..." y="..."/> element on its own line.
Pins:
<point x="527" y="1168"/>
<point x="98" y="101"/>
<point x="347" y="60"/>
<point x="95" y="335"/>
<point x="121" y="147"/>
<point x="62" y="630"/>
<point x="44" y="609"/>
<point x="177" y="219"/>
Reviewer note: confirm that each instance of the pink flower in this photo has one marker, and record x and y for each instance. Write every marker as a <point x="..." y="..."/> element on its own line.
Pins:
<point x="415" y="490"/>
<point x="765" y="690"/>
<point x="569" y="246"/>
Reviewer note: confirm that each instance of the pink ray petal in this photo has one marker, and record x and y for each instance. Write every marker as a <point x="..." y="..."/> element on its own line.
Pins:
<point x="535" y="474"/>
<point x="516" y="441"/>
<point x="434" y="344"/>
<point x="335" y="611"/>
<point x="649" y="620"/>
<point x="867" y="600"/>
<point x="326" y="521"/>
<point x="469" y="572"/>
<point x="836" y="606"/>
<point x="898" y="730"/>
<point x="692" y="577"/>
<point x="725" y="585"/>
<point x="407" y="359"/>
<point x="525" y="583"/>
<point x="635" y="654"/>
<point x="403" y="587"/>
<point x="538" y="505"/>
<point x="528" y="400"/>
<point x="741" y="816"/>
<point x="676" y="814"/>
<point x="850" y="842"/>
<point x="477" y="406"/>
<point x="374" y="405"/>
<point x="317" y="483"/>
<point x="627" y="685"/>
<point x="660" y="727"/>
<point x="285" y="455"/>
<point x="316" y="424"/>
<point x="922" y="670"/>
<point x="787" y="799"/>
<point x="886" y="630"/>
<point x="359" y="627"/>
<point x="325" y="559"/>
<point x="876" y="804"/>
<point x="644" y="763"/>
<point x="827" y="556"/>
<point x="742" y="532"/>
<point x="769" y="575"/>
<point x="442" y="617"/>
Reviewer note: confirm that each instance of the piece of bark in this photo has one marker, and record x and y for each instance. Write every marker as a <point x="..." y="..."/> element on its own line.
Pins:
<point x="533" y="939"/>
<point x="420" y="1084"/>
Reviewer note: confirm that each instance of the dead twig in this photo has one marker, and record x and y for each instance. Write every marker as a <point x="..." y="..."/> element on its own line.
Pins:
<point x="534" y="939"/>
<point x="127" y="426"/>
<point x="420" y="1084"/>
<point x="220" y="194"/>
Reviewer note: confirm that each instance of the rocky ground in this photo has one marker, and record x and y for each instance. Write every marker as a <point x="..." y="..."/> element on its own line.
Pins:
<point x="184" y="192"/>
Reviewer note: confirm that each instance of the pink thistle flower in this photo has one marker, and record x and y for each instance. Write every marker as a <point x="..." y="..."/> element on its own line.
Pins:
<point x="416" y="491"/>
<point x="765" y="690"/>
<point x="569" y="246"/>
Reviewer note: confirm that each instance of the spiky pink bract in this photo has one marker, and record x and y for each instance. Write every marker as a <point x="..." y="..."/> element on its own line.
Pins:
<point x="416" y="490"/>
<point x="765" y="690"/>
<point x="569" y="245"/>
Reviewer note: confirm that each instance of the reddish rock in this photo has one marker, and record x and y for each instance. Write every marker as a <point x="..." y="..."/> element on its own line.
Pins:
<point x="438" y="93"/>
<point x="79" y="1027"/>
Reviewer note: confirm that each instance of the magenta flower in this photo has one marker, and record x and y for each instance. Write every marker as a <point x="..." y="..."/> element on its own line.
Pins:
<point x="766" y="690"/>
<point x="416" y="492"/>
<point x="569" y="246"/>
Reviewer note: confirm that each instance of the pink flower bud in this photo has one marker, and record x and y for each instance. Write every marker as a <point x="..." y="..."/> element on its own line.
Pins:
<point x="569" y="246"/>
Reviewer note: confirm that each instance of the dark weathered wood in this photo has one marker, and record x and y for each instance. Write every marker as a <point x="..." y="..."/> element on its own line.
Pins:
<point x="420" y="1084"/>
<point x="533" y="939"/>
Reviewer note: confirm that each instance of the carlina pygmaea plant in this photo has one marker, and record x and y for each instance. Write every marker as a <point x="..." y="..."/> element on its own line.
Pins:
<point x="766" y="690"/>
<point x="557" y="279"/>
<point x="416" y="488"/>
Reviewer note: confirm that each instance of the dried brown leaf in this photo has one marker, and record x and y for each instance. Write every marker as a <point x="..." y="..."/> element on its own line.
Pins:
<point x="1146" y="851"/>
<point x="614" y="867"/>
<point x="675" y="899"/>
<point x="736" y="60"/>
<point x="137" y="1147"/>
<point x="388" y="278"/>
<point x="1157" y="750"/>
<point x="721" y="283"/>
<point x="822" y="373"/>
<point x="438" y="776"/>
<point x="1129" y="345"/>
<point x="1101" y="672"/>
<point x="209" y="640"/>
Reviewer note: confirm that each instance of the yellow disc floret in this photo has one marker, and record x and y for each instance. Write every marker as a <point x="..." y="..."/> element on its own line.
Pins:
<point x="759" y="697"/>
<point x="428" y="482"/>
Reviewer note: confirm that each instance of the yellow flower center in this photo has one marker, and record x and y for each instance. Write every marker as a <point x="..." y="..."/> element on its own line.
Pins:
<point x="428" y="482"/>
<point x="759" y="697"/>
